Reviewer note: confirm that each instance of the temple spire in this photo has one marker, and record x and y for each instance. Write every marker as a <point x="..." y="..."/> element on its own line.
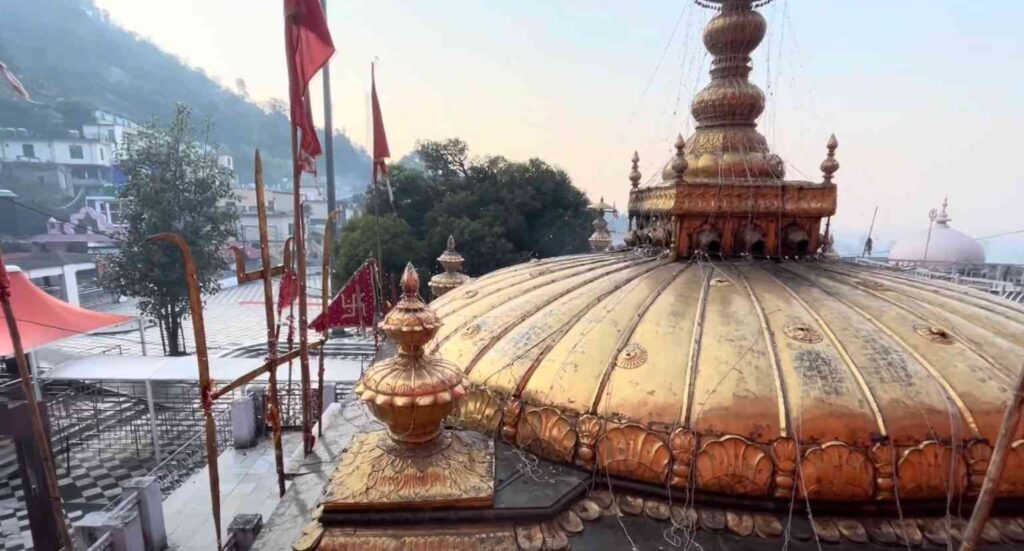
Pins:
<point x="830" y="165"/>
<point x="634" y="174"/>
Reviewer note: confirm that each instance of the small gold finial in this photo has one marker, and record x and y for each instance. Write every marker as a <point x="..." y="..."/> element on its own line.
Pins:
<point x="679" y="163"/>
<point x="412" y="392"/>
<point x="410" y="282"/>
<point x="634" y="175"/>
<point x="452" y="275"/>
<point x="830" y="165"/>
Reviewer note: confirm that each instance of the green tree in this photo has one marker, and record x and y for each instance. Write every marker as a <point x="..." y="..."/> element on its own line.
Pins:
<point x="174" y="185"/>
<point x="501" y="212"/>
<point x="358" y="242"/>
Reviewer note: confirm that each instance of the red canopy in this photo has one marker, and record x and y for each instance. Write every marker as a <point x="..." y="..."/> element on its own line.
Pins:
<point x="43" y="319"/>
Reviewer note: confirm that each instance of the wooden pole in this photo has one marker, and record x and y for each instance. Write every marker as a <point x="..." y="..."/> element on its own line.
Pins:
<point x="273" y="403"/>
<point x="205" y="384"/>
<point x="990" y="487"/>
<point x="300" y="269"/>
<point x="38" y="430"/>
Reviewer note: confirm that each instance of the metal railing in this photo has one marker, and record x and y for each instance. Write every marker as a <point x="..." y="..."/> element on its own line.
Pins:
<point x="191" y="456"/>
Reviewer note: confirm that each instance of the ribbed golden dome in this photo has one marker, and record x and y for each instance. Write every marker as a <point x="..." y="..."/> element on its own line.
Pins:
<point x="734" y="372"/>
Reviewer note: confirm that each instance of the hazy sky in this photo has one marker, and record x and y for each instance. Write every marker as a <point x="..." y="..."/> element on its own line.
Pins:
<point x="924" y="96"/>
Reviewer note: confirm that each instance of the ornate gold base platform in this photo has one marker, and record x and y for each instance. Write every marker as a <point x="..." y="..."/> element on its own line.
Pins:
<point x="472" y="538"/>
<point x="456" y="470"/>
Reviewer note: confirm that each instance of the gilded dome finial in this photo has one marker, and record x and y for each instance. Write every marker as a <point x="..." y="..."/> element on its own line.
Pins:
<point x="830" y="165"/>
<point x="634" y="174"/>
<point x="412" y="392"/>
<point x="677" y="165"/>
<point x="452" y="275"/>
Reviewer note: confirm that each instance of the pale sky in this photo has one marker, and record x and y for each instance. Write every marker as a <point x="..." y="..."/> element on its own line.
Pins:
<point x="924" y="96"/>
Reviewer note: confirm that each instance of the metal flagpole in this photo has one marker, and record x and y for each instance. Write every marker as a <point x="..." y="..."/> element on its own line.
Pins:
<point x="325" y="293"/>
<point x="38" y="430"/>
<point x="329" y="145"/>
<point x="274" y="404"/>
<point x="871" y="230"/>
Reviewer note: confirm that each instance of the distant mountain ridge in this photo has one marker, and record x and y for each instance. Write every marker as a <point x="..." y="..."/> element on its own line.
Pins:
<point x="72" y="58"/>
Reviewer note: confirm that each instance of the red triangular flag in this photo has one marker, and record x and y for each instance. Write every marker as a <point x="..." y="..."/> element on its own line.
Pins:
<point x="380" y="138"/>
<point x="308" y="47"/>
<point x="355" y="305"/>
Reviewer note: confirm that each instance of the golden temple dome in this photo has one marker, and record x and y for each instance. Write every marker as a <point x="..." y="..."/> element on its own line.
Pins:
<point x="731" y="374"/>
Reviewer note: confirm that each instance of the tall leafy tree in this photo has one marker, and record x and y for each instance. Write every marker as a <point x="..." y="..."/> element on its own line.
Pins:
<point x="501" y="212"/>
<point x="174" y="185"/>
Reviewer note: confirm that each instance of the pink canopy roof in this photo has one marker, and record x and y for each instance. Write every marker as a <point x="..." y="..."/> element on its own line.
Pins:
<point x="43" y="319"/>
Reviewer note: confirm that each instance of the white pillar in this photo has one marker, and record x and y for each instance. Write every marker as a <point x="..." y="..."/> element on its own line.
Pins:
<point x="152" y="422"/>
<point x="150" y="508"/>
<point x="142" y="334"/>
<point x="70" y="285"/>
<point x="33" y="370"/>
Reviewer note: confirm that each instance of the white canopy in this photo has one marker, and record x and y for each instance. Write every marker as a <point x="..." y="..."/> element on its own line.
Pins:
<point x="184" y="368"/>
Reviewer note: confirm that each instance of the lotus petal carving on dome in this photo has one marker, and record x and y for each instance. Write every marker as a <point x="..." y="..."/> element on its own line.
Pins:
<point x="1012" y="483"/>
<point x="732" y="465"/>
<point x="930" y="469"/>
<point x="836" y="471"/>
<point x="546" y="432"/>
<point x="682" y="442"/>
<point x="478" y="410"/>
<point x="784" y="453"/>
<point x="588" y="427"/>
<point x="632" y="451"/>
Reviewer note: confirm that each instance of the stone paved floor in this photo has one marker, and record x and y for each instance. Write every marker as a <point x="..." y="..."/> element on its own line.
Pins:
<point x="248" y="484"/>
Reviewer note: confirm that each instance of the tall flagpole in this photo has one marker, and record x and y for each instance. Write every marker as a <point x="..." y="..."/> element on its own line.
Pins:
<point x="300" y="256"/>
<point x="329" y="147"/>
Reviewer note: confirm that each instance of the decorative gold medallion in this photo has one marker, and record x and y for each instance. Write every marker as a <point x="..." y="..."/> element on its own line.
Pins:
<point x="801" y="332"/>
<point x="934" y="333"/>
<point x="631" y="357"/>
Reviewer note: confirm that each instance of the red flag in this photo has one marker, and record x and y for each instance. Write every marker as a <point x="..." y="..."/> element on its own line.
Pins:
<point x="16" y="84"/>
<point x="380" y="138"/>
<point x="287" y="291"/>
<point x="354" y="306"/>
<point x="308" y="46"/>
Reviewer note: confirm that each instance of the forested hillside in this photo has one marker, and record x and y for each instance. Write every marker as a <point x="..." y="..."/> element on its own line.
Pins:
<point x="72" y="58"/>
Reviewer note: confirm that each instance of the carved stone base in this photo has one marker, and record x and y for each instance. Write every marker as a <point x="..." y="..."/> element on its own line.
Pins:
<point x="457" y="470"/>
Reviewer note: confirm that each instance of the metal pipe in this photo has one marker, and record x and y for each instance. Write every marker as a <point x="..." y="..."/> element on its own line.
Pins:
<point x="990" y="487"/>
<point x="205" y="384"/>
<point x="38" y="430"/>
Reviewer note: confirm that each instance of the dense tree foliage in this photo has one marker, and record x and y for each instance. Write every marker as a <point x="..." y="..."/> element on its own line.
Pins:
<point x="501" y="212"/>
<point x="174" y="185"/>
<point x="73" y="59"/>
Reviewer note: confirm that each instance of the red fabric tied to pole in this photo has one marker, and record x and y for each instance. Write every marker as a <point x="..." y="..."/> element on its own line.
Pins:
<point x="381" y="151"/>
<point x="288" y="290"/>
<point x="309" y="47"/>
<point x="354" y="306"/>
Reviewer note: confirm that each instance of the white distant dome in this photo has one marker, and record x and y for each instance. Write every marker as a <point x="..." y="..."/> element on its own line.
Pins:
<point x="945" y="245"/>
